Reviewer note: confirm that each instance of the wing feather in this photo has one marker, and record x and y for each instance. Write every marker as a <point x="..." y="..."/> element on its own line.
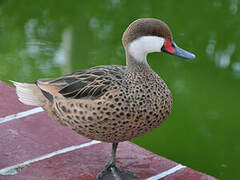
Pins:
<point x="90" y="83"/>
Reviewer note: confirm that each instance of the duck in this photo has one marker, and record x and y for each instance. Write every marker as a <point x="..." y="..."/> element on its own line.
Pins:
<point x="112" y="103"/>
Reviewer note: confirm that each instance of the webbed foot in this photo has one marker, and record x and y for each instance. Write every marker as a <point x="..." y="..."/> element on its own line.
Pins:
<point x="112" y="172"/>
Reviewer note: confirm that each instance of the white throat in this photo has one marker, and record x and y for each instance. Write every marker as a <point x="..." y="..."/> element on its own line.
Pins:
<point x="140" y="47"/>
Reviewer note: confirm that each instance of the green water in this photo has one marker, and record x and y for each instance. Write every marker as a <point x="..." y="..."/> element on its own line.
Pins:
<point x="40" y="39"/>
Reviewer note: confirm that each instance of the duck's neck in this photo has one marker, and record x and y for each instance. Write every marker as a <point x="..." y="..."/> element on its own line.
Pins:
<point x="134" y="64"/>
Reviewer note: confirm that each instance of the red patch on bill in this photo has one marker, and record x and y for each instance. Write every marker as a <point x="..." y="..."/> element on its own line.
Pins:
<point x="168" y="46"/>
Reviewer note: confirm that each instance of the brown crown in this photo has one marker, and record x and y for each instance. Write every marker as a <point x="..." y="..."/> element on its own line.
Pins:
<point x="146" y="27"/>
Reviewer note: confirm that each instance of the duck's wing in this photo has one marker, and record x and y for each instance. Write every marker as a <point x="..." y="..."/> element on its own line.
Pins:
<point x="90" y="83"/>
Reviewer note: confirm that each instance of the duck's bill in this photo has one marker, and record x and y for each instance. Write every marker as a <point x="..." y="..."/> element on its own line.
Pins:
<point x="170" y="47"/>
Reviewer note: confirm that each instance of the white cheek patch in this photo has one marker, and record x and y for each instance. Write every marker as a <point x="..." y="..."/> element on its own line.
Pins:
<point x="140" y="47"/>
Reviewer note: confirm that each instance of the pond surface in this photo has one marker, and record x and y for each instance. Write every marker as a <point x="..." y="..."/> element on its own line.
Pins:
<point x="40" y="39"/>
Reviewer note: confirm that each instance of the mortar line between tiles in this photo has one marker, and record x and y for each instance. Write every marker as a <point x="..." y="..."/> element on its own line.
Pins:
<point x="167" y="172"/>
<point x="20" y="114"/>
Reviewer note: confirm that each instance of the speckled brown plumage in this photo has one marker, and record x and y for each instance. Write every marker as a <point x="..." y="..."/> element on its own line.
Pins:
<point x="110" y="103"/>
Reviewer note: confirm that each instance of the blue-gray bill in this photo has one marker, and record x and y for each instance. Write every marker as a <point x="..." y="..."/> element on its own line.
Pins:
<point x="170" y="47"/>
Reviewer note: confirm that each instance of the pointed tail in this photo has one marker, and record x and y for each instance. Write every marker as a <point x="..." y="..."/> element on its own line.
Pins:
<point x="29" y="94"/>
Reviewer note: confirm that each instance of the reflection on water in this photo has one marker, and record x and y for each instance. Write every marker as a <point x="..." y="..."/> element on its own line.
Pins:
<point x="233" y="8"/>
<point x="236" y="70"/>
<point x="211" y="47"/>
<point x="62" y="55"/>
<point x="222" y="58"/>
<point x="102" y="30"/>
<point x="41" y="41"/>
<point x="179" y="86"/>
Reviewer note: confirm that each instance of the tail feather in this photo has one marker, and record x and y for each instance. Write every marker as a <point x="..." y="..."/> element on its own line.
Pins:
<point x="29" y="94"/>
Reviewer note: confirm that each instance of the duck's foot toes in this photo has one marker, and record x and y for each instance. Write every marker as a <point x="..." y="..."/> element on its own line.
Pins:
<point x="115" y="173"/>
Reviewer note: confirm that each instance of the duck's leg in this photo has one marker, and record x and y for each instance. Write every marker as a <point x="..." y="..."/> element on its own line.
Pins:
<point x="111" y="172"/>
